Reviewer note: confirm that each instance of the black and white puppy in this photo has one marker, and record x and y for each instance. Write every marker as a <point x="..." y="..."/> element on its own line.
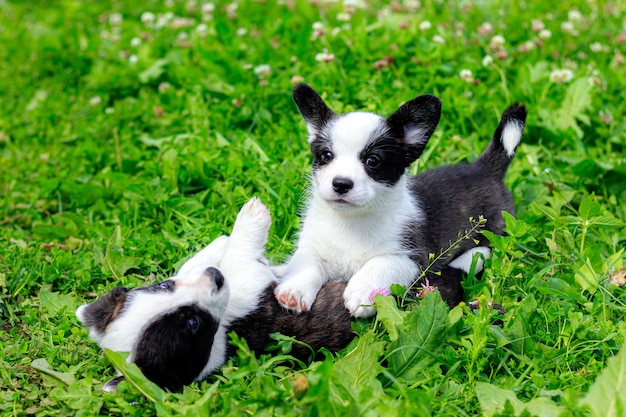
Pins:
<point x="177" y="330"/>
<point x="368" y="223"/>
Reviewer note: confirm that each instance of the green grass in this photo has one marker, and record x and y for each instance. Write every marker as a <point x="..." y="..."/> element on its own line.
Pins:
<point x="124" y="148"/>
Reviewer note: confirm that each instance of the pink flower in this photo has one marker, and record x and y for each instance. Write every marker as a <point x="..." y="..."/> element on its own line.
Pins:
<point x="426" y="289"/>
<point x="381" y="291"/>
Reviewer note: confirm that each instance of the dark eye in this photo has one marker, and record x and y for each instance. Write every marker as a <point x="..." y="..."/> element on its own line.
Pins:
<point x="193" y="323"/>
<point x="372" y="162"/>
<point x="326" y="156"/>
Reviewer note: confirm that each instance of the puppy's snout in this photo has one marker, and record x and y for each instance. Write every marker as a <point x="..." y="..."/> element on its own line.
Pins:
<point x="216" y="276"/>
<point x="342" y="185"/>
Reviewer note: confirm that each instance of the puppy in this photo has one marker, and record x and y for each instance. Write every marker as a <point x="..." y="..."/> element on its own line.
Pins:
<point x="177" y="330"/>
<point x="368" y="223"/>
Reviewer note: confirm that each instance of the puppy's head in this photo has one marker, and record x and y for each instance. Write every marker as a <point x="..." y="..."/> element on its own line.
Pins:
<point x="168" y="327"/>
<point x="359" y="157"/>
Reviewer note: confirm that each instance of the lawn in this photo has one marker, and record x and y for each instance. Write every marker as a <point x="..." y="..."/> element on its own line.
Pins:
<point x="132" y="132"/>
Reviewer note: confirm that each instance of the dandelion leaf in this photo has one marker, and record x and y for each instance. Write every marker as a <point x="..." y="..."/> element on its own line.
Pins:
<point x="421" y="338"/>
<point x="389" y="314"/>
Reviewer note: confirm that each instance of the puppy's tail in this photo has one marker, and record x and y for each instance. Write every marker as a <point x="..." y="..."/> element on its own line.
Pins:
<point x="507" y="136"/>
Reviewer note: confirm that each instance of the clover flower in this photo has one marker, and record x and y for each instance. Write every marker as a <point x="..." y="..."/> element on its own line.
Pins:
<point x="425" y="25"/>
<point x="263" y="71"/>
<point x="466" y="75"/>
<point x="382" y="291"/>
<point x="487" y="60"/>
<point x="561" y="76"/>
<point x="324" y="57"/>
<point x="485" y="29"/>
<point x="545" y="34"/>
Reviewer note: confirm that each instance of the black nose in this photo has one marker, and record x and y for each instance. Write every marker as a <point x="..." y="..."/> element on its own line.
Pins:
<point x="216" y="276"/>
<point x="342" y="185"/>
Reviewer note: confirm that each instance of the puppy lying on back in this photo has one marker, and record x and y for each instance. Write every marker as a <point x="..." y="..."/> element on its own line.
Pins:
<point x="177" y="330"/>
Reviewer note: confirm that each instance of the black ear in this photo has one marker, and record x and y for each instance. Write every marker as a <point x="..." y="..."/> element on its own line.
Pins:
<point x="414" y="123"/>
<point x="104" y="310"/>
<point x="315" y="112"/>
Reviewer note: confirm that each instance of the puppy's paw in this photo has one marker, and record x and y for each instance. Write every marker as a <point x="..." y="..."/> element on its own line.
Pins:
<point x="297" y="298"/>
<point x="357" y="300"/>
<point x="252" y="224"/>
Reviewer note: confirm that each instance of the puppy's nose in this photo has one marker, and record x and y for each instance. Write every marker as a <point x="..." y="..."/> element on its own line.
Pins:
<point x="216" y="276"/>
<point x="342" y="185"/>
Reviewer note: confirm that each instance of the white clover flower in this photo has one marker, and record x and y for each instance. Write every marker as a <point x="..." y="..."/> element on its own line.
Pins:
<point x="568" y="27"/>
<point x="412" y="5"/>
<point x="344" y="17"/>
<point x="182" y="36"/>
<point x="318" y="30"/>
<point x="164" y="87"/>
<point x="357" y="4"/>
<point x="324" y="57"/>
<point x="263" y="71"/>
<point x="115" y="19"/>
<point x="561" y="76"/>
<point x="545" y="34"/>
<point x="148" y="18"/>
<point x="487" y="60"/>
<point x="335" y="31"/>
<point x="526" y="46"/>
<point x="466" y="75"/>
<point x="425" y="25"/>
<point x="95" y="101"/>
<point x="109" y="110"/>
<point x="574" y="16"/>
<point x="537" y="25"/>
<point x="497" y="41"/>
<point x="485" y="29"/>
<point x="202" y="29"/>
<point x="242" y="32"/>
<point x="208" y="8"/>
<point x="439" y="39"/>
<point x="596" y="47"/>
<point x="132" y="59"/>
<point x="135" y="42"/>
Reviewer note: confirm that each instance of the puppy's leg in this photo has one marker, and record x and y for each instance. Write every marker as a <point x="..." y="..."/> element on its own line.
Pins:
<point x="302" y="280"/>
<point x="378" y="272"/>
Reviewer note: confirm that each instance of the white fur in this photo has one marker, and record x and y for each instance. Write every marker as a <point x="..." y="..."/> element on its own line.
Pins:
<point x="354" y="237"/>
<point x="465" y="260"/>
<point x="240" y="259"/>
<point x="511" y="136"/>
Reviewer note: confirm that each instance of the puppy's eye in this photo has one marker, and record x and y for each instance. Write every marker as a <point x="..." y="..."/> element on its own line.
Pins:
<point x="166" y="285"/>
<point x="326" y="156"/>
<point x="193" y="323"/>
<point x="372" y="162"/>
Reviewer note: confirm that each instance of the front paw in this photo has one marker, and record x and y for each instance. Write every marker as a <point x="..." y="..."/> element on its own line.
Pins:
<point x="358" y="301"/>
<point x="297" y="298"/>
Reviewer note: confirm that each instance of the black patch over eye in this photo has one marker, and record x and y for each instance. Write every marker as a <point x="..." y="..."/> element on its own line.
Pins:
<point x="372" y="162"/>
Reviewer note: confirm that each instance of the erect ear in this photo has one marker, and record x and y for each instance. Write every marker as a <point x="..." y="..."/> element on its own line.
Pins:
<point x="315" y="112"/>
<point x="414" y="122"/>
<point x="104" y="310"/>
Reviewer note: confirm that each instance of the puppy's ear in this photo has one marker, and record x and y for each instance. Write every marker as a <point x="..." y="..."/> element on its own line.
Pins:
<point x="315" y="112"/>
<point x="414" y="122"/>
<point x="104" y="310"/>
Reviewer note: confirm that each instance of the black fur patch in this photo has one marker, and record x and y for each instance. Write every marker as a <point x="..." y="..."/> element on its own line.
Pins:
<point x="105" y="309"/>
<point x="328" y="324"/>
<point x="174" y="349"/>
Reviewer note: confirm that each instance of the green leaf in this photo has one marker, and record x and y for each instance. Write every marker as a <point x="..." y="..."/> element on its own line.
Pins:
<point x="589" y="207"/>
<point x="42" y="365"/>
<point x="587" y="278"/>
<point x="493" y="400"/>
<point x="607" y="395"/>
<point x="421" y="337"/>
<point x="114" y="260"/>
<point x="575" y="104"/>
<point x="54" y="303"/>
<point x="388" y="313"/>
<point x="153" y="72"/>
<point x="134" y="376"/>
<point x="78" y="396"/>
<point x="361" y="366"/>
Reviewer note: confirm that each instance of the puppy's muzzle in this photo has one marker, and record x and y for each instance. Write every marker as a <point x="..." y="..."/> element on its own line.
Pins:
<point x="215" y="276"/>
<point x="342" y="185"/>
